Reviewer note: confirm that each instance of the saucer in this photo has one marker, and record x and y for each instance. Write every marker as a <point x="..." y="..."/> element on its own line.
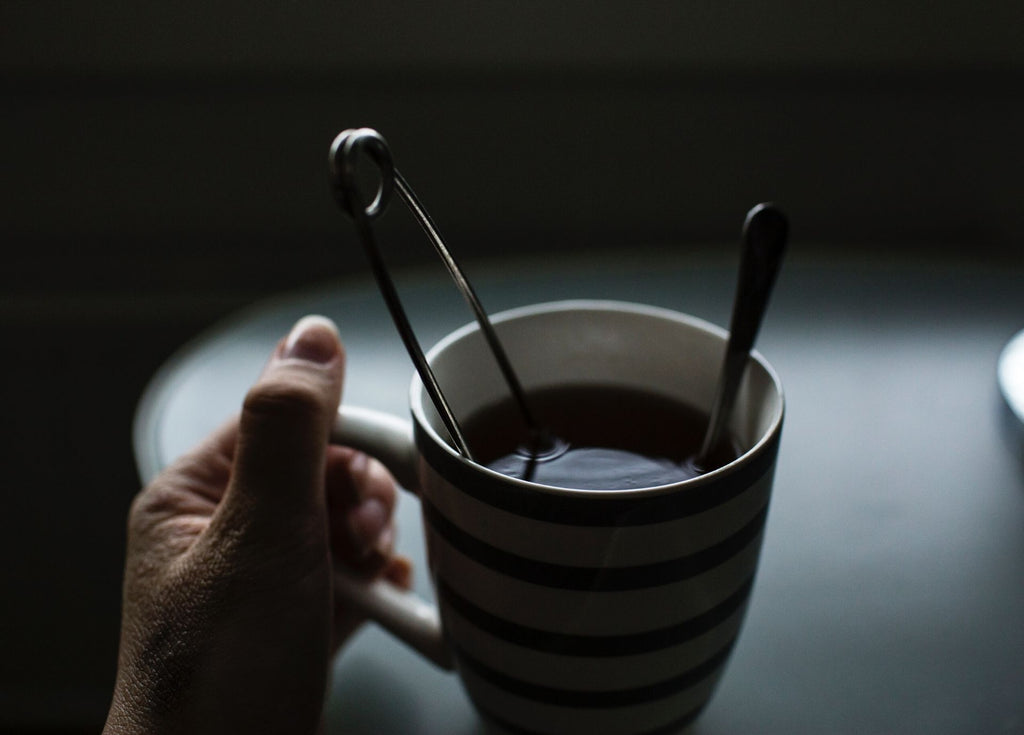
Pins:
<point x="1011" y="374"/>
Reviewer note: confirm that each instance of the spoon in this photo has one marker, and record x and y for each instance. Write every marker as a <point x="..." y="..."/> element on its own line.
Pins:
<point x="764" y="242"/>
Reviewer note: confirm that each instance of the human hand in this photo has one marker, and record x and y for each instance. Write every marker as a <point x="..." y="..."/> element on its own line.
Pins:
<point x="229" y="616"/>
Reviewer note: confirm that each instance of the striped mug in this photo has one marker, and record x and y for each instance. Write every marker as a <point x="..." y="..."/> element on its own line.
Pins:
<point x="578" y="611"/>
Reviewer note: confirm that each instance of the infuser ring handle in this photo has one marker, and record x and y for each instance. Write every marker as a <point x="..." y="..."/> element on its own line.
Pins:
<point x="342" y="161"/>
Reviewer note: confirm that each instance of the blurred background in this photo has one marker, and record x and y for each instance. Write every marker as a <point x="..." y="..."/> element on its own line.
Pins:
<point x="165" y="164"/>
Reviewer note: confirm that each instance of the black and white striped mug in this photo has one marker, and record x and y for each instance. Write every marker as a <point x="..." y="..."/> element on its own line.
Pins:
<point x="578" y="611"/>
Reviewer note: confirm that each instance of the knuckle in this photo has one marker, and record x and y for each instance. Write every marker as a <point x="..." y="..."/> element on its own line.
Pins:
<point x="278" y="401"/>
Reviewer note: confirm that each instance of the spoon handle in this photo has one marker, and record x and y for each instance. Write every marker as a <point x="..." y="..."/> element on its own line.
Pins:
<point x="764" y="243"/>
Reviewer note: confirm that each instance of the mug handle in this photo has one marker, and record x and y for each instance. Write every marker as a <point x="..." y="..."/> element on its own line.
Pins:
<point x="404" y="614"/>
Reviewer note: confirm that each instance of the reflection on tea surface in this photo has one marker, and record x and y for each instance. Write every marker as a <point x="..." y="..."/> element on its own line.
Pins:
<point x="608" y="438"/>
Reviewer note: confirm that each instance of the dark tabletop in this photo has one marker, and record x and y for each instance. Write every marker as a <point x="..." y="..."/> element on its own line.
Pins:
<point x="890" y="597"/>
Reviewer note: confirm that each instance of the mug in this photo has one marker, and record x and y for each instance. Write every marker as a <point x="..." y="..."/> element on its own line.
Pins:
<point x="578" y="611"/>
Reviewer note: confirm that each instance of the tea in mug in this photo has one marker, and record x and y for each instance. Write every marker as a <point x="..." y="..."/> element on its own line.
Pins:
<point x="601" y="438"/>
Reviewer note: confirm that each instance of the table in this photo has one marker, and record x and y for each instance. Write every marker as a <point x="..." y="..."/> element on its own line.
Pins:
<point x="890" y="597"/>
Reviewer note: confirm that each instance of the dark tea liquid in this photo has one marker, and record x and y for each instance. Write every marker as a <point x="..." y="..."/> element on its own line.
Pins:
<point x="604" y="438"/>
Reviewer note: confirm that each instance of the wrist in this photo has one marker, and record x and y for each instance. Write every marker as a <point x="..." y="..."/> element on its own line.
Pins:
<point x="130" y="713"/>
<point x="123" y="720"/>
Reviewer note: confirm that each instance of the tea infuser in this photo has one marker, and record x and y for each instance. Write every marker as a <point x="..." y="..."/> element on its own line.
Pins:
<point x="342" y="161"/>
<point x="764" y="243"/>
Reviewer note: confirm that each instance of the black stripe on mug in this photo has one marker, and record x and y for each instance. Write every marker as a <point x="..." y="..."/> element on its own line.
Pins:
<point x="596" y="579"/>
<point x="672" y="728"/>
<point x="595" y="645"/>
<point x="599" y="699"/>
<point x="595" y="509"/>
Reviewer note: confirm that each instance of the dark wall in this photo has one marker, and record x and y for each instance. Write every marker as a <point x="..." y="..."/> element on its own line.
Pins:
<point x="162" y="167"/>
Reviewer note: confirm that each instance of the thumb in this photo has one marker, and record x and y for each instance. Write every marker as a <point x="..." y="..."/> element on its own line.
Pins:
<point x="278" y="471"/>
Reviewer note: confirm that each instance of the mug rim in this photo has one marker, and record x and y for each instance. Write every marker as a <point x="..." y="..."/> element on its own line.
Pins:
<point x="418" y="397"/>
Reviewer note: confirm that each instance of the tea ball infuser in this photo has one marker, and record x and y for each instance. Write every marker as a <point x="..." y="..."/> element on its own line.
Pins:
<point x="342" y="160"/>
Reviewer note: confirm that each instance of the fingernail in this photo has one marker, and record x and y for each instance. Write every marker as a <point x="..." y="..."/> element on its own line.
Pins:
<point x="367" y="522"/>
<point x="314" y="339"/>
<point x="358" y="464"/>
<point x="385" y="541"/>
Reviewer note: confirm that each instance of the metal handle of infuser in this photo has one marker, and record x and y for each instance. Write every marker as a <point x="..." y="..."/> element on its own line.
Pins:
<point x="342" y="161"/>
